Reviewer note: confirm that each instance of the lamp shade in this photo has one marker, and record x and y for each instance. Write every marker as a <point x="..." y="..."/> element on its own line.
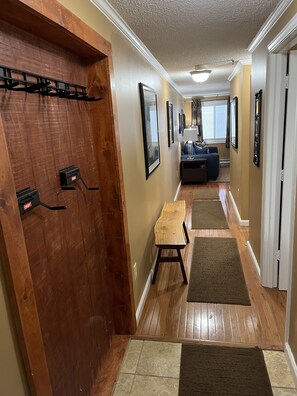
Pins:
<point x="200" y="75"/>
<point x="190" y="134"/>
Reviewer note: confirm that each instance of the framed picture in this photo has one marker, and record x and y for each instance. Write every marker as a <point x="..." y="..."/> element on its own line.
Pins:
<point x="170" y="127"/>
<point x="149" y="115"/>
<point x="234" y="122"/>
<point x="257" y="131"/>
<point x="181" y="121"/>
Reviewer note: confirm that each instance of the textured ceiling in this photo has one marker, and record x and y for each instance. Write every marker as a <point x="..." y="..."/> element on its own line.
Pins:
<point x="182" y="34"/>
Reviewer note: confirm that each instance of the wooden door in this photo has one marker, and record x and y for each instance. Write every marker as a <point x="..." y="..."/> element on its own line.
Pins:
<point x="68" y="272"/>
<point x="66" y="249"/>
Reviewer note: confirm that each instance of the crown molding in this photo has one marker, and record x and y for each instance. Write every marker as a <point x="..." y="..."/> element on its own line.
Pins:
<point x="285" y="36"/>
<point x="114" y="17"/>
<point x="270" y="22"/>
<point x="238" y="67"/>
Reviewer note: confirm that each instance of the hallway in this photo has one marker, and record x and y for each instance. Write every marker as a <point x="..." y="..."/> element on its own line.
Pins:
<point x="168" y="316"/>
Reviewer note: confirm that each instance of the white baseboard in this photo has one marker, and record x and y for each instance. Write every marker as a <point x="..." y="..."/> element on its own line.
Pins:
<point x="291" y="362"/>
<point x="253" y="257"/>
<point x="145" y="291"/>
<point x="177" y="191"/>
<point x="143" y="297"/>
<point x="242" y="223"/>
<point x="149" y="278"/>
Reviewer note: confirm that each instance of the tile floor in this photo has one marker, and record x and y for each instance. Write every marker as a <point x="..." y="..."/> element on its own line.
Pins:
<point x="152" y="368"/>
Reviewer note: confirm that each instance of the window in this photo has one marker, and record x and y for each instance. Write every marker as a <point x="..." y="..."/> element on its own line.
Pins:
<point x="214" y="120"/>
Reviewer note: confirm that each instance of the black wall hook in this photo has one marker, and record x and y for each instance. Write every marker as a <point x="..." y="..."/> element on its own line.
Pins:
<point x="71" y="175"/>
<point x="28" y="198"/>
<point x="18" y="80"/>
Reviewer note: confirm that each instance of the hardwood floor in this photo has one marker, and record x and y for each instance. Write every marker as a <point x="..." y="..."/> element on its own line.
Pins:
<point x="167" y="315"/>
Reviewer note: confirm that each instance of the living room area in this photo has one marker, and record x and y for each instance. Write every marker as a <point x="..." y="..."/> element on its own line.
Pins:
<point x="205" y="144"/>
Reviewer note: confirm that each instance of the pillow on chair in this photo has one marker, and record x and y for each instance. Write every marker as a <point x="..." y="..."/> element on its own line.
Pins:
<point x="200" y="150"/>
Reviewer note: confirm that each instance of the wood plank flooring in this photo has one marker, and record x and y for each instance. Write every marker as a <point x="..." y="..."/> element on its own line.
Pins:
<point x="167" y="315"/>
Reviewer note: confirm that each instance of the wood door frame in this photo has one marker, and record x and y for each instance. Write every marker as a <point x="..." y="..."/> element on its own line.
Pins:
<point x="51" y="21"/>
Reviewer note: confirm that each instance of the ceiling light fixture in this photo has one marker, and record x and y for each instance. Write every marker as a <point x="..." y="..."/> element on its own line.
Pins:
<point x="202" y="72"/>
<point x="200" y="76"/>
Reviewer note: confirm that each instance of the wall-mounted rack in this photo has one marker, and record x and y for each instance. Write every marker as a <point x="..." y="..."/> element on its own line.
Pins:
<point x="18" y="80"/>
<point x="28" y="198"/>
<point x="69" y="176"/>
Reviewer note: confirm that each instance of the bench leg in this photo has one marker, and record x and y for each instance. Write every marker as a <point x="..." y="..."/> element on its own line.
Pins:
<point x="186" y="232"/>
<point x="157" y="266"/>
<point x="181" y="263"/>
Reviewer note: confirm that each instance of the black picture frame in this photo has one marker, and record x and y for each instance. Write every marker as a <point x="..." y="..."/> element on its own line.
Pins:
<point x="150" y="128"/>
<point x="181" y="122"/>
<point x="234" y="122"/>
<point x="257" y="128"/>
<point x="170" y="125"/>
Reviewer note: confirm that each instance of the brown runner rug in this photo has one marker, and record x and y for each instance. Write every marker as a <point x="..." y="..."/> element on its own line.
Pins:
<point x="208" y="215"/>
<point x="206" y="193"/>
<point x="218" y="370"/>
<point x="216" y="273"/>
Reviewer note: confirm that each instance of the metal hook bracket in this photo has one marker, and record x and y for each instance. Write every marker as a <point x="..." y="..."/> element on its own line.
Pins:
<point x="28" y="198"/>
<point x="69" y="176"/>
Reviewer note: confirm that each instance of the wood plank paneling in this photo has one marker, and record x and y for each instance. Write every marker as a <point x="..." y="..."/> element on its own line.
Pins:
<point x="166" y="308"/>
<point x="14" y="258"/>
<point x="107" y="145"/>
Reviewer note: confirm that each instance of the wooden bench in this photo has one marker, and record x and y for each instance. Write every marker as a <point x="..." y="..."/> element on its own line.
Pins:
<point x="171" y="233"/>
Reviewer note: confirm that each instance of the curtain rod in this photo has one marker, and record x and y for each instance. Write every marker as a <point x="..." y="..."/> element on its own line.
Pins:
<point x="208" y="99"/>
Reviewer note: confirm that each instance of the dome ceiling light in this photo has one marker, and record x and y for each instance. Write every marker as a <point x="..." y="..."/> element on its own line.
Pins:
<point x="202" y="72"/>
<point x="200" y="76"/>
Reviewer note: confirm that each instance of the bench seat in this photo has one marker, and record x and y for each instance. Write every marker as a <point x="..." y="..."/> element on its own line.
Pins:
<point x="171" y="233"/>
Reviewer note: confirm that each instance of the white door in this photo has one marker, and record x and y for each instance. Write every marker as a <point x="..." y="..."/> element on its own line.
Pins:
<point x="289" y="178"/>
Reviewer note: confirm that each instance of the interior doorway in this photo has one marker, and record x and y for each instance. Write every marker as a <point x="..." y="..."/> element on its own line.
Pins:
<point x="279" y="152"/>
<point x="289" y="175"/>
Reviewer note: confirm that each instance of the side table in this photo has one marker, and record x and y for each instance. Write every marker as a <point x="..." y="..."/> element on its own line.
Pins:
<point x="193" y="171"/>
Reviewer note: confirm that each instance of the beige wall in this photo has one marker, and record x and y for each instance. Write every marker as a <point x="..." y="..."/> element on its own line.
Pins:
<point x="239" y="158"/>
<point x="188" y="112"/>
<point x="144" y="198"/>
<point x="12" y="377"/>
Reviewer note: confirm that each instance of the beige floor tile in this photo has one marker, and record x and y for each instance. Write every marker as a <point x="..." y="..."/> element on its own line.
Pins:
<point x="132" y="357"/>
<point x="123" y="385"/>
<point x="160" y="359"/>
<point x="278" y="369"/>
<point x="284" y="392"/>
<point x="154" y="386"/>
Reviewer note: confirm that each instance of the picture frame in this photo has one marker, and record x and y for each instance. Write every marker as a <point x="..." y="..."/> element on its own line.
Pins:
<point x="170" y="125"/>
<point x="257" y="128"/>
<point x="150" y="128"/>
<point x="234" y="122"/>
<point x="181" y="122"/>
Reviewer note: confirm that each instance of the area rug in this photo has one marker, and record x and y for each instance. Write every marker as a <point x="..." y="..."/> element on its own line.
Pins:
<point x="203" y="194"/>
<point x="216" y="273"/>
<point x="224" y="175"/>
<point x="220" y="370"/>
<point x="208" y="215"/>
